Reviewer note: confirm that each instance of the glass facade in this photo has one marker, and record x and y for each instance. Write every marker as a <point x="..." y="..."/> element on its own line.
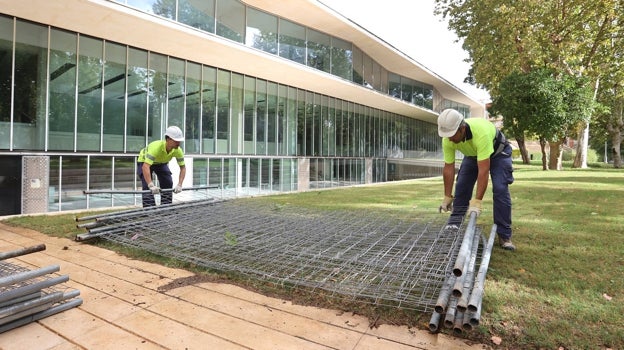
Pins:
<point x="92" y="104"/>
<point x="264" y="31"/>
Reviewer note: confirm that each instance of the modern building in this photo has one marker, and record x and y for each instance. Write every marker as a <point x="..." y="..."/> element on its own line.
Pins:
<point x="272" y="96"/>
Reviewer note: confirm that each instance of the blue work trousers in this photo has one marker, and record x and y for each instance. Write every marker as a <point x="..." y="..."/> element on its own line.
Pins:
<point x="165" y="181"/>
<point x="501" y="173"/>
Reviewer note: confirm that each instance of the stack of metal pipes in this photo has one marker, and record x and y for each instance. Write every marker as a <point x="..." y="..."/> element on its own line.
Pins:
<point x="459" y="303"/>
<point x="30" y="295"/>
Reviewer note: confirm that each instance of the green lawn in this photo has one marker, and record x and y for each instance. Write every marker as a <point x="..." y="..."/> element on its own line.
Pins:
<point x="564" y="285"/>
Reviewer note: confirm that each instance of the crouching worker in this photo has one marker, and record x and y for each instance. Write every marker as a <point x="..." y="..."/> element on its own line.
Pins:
<point x="486" y="153"/>
<point x="155" y="159"/>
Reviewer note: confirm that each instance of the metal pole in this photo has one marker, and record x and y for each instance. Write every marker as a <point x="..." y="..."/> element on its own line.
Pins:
<point x="24" y="276"/>
<point x="462" y="303"/>
<point x="464" y="250"/>
<point x="39" y="315"/>
<point x="147" y="191"/>
<point x="28" y="289"/>
<point x="445" y="294"/>
<point x="22" y="251"/>
<point x="477" y="292"/>
<point x="449" y="319"/>
<point x="18" y="308"/>
<point x="20" y="299"/>
<point x="434" y="322"/>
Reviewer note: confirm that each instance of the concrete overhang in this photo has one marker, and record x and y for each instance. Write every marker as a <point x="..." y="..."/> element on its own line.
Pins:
<point x="118" y="23"/>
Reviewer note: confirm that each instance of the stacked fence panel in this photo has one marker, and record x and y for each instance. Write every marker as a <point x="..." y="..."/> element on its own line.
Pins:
<point x="28" y="295"/>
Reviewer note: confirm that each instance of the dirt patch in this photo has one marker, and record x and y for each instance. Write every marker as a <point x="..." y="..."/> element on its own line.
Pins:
<point x="191" y="280"/>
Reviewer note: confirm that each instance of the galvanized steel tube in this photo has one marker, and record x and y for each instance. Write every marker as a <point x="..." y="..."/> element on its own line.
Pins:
<point x="24" y="276"/>
<point x="22" y="251"/>
<point x="464" y="250"/>
<point x="477" y="292"/>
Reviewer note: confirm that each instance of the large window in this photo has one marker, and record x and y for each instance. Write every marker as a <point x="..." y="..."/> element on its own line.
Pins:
<point x="342" y="59"/>
<point x="136" y="99"/>
<point x="236" y="115"/>
<point x="193" y="108"/>
<point x="114" y="96"/>
<point x="89" y="111"/>
<point x="176" y="93"/>
<point x="223" y="111"/>
<point x="261" y="31"/>
<point x="157" y="81"/>
<point x="197" y="13"/>
<point x="292" y="41"/>
<point x="209" y="110"/>
<point x="62" y="82"/>
<point x="231" y="19"/>
<point x="249" y="109"/>
<point x="6" y="54"/>
<point x="319" y="49"/>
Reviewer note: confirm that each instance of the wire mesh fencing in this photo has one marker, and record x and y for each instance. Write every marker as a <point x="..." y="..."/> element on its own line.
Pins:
<point x="366" y="256"/>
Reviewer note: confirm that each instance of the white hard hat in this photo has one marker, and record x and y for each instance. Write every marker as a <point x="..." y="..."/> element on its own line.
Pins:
<point x="174" y="133"/>
<point x="448" y="122"/>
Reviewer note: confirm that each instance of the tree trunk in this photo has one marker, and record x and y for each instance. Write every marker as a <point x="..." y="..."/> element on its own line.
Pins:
<point x="544" y="155"/>
<point x="615" y="131"/>
<point x="580" y="160"/>
<point x="615" y="153"/>
<point x="556" y="150"/>
<point x="523" y="151"/>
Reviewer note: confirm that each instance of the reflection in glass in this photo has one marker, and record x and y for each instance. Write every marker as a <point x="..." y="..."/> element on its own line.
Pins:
<point x="236" y="115"/>
<point x="249" y="106"/>
<point x="319" y="48"/>
<point x="261" y="116"/>
<point x="114" y="97"/>
<point x="62" y="82"/>
<point x="176" y="93"/>
<point x="193" y="108"/>
<point x="272" y="119"/>
<point x="200" y="171"/>
<point x="163" y="8"/>
<point x="231" y="19"/>
<point x="197" y="14"/>
<point x="209" y="91"/>
<point x="157" y="80"/>
<point x="341" y="58"/>
<point x="136" y="100"/>
<point x="281" y="120"/>
<point x="291" y="123"/>
<point x="223" y="111"/>
<point x="358" y="66"/>
<point x="90" y="85"/>
<point x="29" y="86"/>
<point x="261" y="31"/>
<point x="292" y="41"/>
<point x="6" y="64"/>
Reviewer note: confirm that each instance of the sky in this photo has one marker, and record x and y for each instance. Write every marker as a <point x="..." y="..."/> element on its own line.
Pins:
<point x="412" y="28"/>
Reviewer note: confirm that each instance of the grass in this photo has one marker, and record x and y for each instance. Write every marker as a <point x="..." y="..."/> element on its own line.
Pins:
<point x="552" y="292"/>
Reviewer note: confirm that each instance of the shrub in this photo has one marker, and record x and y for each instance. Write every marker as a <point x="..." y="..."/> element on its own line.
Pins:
<point x="569" y="154"/>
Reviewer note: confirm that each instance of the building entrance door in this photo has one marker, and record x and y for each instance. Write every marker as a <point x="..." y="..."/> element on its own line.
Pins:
<point x="10" y="185"/>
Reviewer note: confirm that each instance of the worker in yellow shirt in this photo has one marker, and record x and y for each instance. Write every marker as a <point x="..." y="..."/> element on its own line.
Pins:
<point x="155" y="159"/>
<point x="487" y="153"/>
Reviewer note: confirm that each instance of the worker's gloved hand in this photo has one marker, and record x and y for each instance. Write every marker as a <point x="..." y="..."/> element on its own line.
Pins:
<point x="155" y="189"/>
<point x="447" y="204"/>
<point x="474" y="207"/>
<point x="177" y="189"/>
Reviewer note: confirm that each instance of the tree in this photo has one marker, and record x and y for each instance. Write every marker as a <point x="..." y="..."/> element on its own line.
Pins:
<point x="542" y="104"/>
<point x="501" y="36"/>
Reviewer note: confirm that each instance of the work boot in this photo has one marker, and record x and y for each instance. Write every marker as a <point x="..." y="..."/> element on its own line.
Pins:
<point x="506" y="244"/>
